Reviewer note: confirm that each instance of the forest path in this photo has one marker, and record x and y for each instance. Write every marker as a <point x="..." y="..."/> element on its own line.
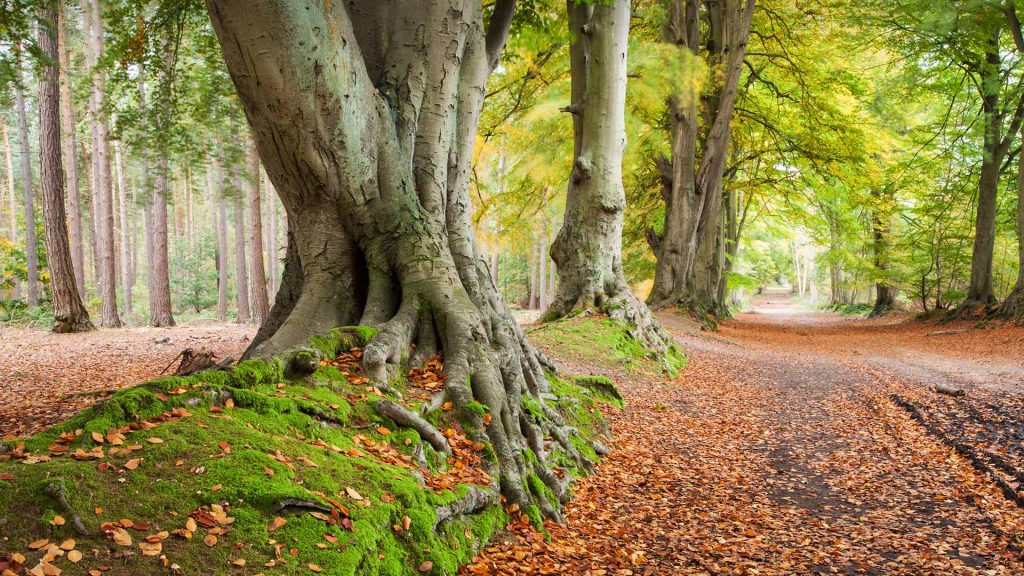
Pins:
<point x="781" y="451"/>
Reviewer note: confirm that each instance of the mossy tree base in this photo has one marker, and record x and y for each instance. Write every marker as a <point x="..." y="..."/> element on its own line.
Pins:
<point x="256" y="440"/>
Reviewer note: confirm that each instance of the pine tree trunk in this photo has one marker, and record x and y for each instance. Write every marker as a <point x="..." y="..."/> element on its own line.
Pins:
<point x="122" y="208"/>
<point x="241" y="270"/>
<point x="160" y="288"/>
<point x="588" y="248"/>
<point x="31" y="253"/>
<point x="380" y="234"/>
<point x="222" y="242"/>
<point x="69" y="313"/>
<point x="103" y="205"/>
<point x="692" y="187"/>
<point x="70" y="159"/>
<point x="11" y="194"/>
<point x="272" y="252"/>
<point x="260" y="306"/>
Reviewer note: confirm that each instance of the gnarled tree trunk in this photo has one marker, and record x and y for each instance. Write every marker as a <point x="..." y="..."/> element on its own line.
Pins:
<point x="588" y="249"/>
<point x="69" y="313"/>
<point x="699" y="138"/>
<point x="364" y="115"/>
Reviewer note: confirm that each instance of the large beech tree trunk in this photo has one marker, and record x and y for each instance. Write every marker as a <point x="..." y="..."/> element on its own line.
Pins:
<point x="103" y="204"/>
<point x="699" y="138"/>
<point x="257" y="275"/>
<point x="69" y="313"/>
<point x="31" y="253"/>
<point x="365" y="115"/>
<point x="70" y="159"/>
<point x="588" y="248"/>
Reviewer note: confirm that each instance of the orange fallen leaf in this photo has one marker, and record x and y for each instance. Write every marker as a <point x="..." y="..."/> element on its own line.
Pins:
<point x="276" y="523"/>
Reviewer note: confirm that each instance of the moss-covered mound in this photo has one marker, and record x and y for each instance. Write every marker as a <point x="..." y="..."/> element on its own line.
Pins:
<point x="258" y="470"/>
<point x="600" y="341"/>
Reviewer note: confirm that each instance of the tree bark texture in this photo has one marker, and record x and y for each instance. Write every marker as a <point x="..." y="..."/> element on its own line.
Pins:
<point x="28" y="201"/>
<point x="222" y="242"/>
<point x="12" y="196"/>
<point x="69" y="313"/>
<point x="160" y="287"/>
<point x="241" y="270"/>
<point x="257" y="274"/>
<point x="689" y="250"/>
<point x="881" y="229"/>
<point x="588" y="248"/>
<point x="102" y="205"/>
<point x="70" y="159"/>
<point x="365" y="115"/>
<point x="125" y="233"/>
<point x="1013" y="306"/>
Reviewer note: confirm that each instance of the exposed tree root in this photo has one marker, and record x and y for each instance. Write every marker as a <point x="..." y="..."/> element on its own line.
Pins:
<point x="404" y="417"/>
<point x="58" y="494"/>
<point x="299" y="504"/>
<point x="477" y="499"/>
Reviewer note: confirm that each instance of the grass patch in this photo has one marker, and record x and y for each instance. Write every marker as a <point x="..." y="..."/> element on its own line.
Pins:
<point x="600" y="341"/>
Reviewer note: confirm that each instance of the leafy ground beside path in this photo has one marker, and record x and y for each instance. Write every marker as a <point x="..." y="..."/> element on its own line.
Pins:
<point x="780" y="451"/>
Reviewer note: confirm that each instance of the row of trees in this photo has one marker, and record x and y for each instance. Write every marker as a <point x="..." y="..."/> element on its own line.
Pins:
<point x="161" y="143"/>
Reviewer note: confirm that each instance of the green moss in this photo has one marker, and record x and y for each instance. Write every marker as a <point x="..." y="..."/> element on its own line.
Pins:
<point x="602" y="388"/>
<point x="532" y="406"/>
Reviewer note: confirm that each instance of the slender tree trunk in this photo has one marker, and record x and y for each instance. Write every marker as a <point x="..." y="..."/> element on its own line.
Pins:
<point x="543" y="301"/>
<point x="69" y="313"/>
<point x="70" y="159"/>
<point x="534" y="263"/>
<point x="272" y="253"/>
<point x="11" y="194"/>
<point x="126" y="258"/>
<point x="28" y="196"/>
<point x="885" y="293"/>
<point x="222" y="244"/>
<point x="102" y="207"/>
<point x="260" y="306"/>
<point x="241" y="270"/>
<point x="160" y="288"/>
<point x="380" y="235"/>
<point x="692" y="187"/>
<point x="1013" y="306"/>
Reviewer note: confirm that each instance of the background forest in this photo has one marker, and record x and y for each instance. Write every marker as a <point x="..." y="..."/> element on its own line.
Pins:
<point x="871" y="144"/>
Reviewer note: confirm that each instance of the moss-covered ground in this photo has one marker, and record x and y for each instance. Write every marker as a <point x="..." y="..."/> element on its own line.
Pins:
<point x="251" y="472"/>
<point x="602" y="342"/>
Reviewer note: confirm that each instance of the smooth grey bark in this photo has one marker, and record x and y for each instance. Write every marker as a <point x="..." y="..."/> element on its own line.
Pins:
<point x="103" y="214"/>
<point x="367" y="137"/>
<point x="241" y="270"/>
<point x="699" y="137"/>
<point x="69" y="313"/>
<point x="28" y="197"/>
<point x="70" y="159"/>
<point x="588" y="248"/>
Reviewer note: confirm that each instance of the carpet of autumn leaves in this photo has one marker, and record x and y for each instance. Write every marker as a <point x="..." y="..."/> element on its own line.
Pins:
<point x="778" y="454"/>
<point x="46" y="378"/>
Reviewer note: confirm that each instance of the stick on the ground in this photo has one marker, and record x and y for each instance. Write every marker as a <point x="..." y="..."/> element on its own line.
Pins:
<point x="404" y="417"/>
<point x="948" y="332"/>
<point x="949" y="390"/>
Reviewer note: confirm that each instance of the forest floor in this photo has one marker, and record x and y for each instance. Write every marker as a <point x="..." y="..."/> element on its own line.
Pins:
<point x="787" y="447"/>
<point x="46" y="378"/>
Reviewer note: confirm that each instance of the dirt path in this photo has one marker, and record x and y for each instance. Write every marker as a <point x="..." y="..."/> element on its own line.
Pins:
<point x="46" y="378"/>
<point x="781" y="451"/>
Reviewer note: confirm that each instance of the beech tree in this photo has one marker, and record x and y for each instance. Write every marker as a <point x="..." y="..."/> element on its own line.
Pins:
<point x="588" y="248"/>
<point x="364" y="115"/>
<point x="69" y="313"/>
<point x="690" y="248"/>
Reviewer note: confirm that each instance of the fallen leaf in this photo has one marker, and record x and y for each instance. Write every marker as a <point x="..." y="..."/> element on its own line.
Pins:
<point x="276" y="523"/>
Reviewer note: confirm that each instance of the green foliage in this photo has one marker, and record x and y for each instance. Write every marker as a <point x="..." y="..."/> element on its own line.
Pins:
<point x="193" y="273"/>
